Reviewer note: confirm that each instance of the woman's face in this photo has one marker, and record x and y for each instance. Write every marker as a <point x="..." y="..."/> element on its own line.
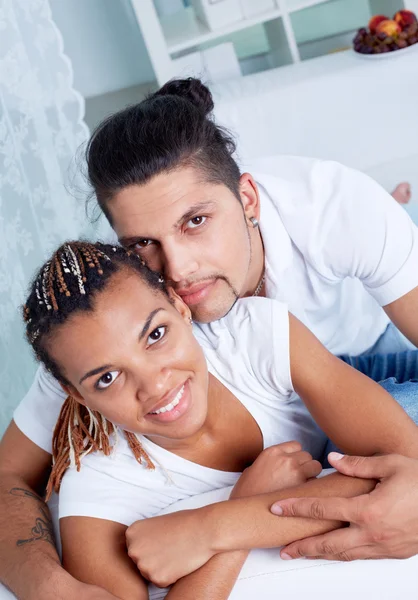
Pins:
<point x="135" y="360"/>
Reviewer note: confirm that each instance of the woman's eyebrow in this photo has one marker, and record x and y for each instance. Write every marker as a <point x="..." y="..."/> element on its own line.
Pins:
<point x="148" y="322"/>
<point x="95" y="371"/>
<point x="145" y="328"/>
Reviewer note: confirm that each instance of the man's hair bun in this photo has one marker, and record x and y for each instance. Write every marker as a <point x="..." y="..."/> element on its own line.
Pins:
<point x="192" y="90"/>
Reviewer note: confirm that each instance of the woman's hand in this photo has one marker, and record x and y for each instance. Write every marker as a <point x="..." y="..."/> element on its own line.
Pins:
<point x="172" y="546"/>
<point x="276" y="468"/>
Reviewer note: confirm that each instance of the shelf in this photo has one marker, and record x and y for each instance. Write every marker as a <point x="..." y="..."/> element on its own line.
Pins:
<point x="182" y="31"/>
<point x="296" y="5"/>
<point x="169" y="38"/>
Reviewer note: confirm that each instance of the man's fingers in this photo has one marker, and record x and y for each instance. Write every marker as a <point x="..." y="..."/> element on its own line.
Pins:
<point x="330" y="509"/>
<point x="336" y="545"/>
<point x="366" y="467"/>
<point x="361" y="553"/>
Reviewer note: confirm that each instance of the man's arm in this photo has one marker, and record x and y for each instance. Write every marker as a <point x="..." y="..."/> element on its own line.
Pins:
<point x="383" y="523"/>
<point x="403" y="313"/>
<point x="356" y="413"/>
<point x="29" y="563"/>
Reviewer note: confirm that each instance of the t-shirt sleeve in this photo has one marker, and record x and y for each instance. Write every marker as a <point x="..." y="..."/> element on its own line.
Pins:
<point x="354" y="228"/>
<point x="38" y="412"/>
<point x="115" y="488"/>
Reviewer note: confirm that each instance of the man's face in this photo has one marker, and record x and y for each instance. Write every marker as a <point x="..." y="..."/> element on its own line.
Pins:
<point x="195" y="233"/>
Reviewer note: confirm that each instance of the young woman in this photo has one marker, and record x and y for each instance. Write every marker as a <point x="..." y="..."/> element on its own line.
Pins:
<point x="123" y="348"/>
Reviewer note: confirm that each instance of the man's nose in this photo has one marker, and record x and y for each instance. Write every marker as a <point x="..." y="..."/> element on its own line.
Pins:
<point x="179" y="263"/>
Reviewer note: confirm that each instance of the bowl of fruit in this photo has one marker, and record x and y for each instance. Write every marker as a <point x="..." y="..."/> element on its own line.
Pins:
<point x="384" y="37"/>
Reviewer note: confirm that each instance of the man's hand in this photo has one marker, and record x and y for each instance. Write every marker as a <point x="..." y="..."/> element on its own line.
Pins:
<point x="169" y="547"/>
<point x="276" y="468"/>
<point x="383" y="523"/>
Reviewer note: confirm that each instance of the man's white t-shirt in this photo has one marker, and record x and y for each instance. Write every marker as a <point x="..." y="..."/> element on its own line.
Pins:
<point x="118" y="488"/>
<point x="337" y="247"/>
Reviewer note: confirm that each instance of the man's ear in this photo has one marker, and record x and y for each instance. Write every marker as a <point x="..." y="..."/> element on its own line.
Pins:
<point x="179" y="305"/>
<point x="249" y="195"/>
<point x="71" y="391"/>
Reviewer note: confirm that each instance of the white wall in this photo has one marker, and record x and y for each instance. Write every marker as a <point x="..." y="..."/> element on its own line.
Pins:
<point x="412" y="5"/>
<point x="103" y="41"/>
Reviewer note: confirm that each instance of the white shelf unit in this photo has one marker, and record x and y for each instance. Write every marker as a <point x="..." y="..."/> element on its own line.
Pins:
<point x="177" y="34"/>
<point x="184" y="32"/>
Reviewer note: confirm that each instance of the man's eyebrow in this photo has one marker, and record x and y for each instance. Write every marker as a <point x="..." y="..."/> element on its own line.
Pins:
<point x="196" y="208"/>
<point x="145" y="328"/>
<point x="130" y="241"/>
<point x="191" y="212"/>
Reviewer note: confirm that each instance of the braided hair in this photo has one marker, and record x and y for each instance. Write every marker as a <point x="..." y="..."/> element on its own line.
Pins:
<point x="67" y="284"/>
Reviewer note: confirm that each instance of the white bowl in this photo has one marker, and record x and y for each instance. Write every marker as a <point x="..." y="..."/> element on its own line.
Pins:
<point x="391" y="54"/>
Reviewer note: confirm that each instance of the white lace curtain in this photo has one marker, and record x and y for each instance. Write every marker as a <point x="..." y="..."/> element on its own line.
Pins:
<point x="41" y="127"/>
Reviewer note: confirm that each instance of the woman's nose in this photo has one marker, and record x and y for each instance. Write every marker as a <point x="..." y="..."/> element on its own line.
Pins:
<point x="154" y="384"/>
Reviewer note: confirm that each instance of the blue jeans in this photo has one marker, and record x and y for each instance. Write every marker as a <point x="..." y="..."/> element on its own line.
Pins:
<point x="393" y="363"/>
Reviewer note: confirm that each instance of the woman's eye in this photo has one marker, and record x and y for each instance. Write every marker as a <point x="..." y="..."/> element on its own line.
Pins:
<point x="107" y="379"/>
<point x="157" y="335"/>
<point x="196" y="222"/>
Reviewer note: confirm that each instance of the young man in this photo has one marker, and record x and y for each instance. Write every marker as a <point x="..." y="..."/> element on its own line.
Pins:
<point x="326" y="240"/>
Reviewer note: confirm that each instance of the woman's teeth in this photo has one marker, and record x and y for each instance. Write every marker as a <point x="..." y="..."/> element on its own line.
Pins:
<point x="172" y="404"/>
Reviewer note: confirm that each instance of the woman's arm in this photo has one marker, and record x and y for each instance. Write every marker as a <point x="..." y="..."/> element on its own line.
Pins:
<point x="214" y="581"/>
<point x="172" y="546"/>
<point x="94" y="552"/>
<point x="356" y="413"/>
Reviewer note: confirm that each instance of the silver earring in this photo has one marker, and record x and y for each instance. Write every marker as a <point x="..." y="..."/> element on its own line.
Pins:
<point x="190" y="320"/>
<point x="254" y="222"/>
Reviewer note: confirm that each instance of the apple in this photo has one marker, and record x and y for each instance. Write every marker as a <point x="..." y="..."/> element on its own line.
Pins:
<point x="405" y="18"/>
<point x="390" y="27"/>
<point x="374" y="22"/>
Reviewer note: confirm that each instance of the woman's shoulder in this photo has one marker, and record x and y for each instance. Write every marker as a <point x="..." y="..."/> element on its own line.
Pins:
<point x="253" y="319"/>
<point x="251" y="343"/>
<point x="114" y="487"/>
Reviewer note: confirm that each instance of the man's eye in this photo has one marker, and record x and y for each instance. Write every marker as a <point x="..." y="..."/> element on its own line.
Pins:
<point x="157" y="335"/>
<point x="196" y="222"/>
<point x="107" y="379"/>
<point x="141" y="244"/>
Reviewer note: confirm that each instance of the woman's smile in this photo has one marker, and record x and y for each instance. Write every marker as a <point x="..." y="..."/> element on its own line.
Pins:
<point x="173" y="406"/>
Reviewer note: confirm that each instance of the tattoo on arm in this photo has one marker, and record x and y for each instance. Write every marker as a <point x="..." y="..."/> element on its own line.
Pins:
<point x="43" y="528"/>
